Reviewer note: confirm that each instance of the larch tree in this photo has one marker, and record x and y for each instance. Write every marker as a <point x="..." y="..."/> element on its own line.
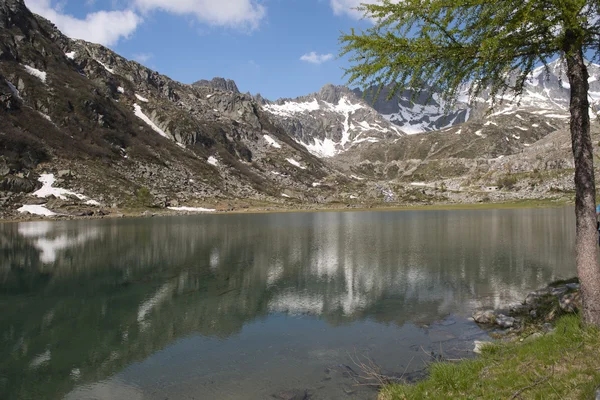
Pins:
<point x="491" y="46"/>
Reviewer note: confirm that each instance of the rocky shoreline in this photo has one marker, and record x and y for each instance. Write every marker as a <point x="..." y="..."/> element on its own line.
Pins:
<point x="82" y="212"/>
<point x="534" y="315"/>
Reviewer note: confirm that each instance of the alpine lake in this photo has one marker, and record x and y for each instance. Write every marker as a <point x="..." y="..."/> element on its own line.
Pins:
<point x="259" y="306"/>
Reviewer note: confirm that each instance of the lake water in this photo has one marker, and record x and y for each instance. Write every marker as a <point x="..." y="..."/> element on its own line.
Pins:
<point x="256" y="306"/>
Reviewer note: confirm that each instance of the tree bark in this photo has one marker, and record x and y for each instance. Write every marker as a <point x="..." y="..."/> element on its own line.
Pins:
<point x="586" y="241"/>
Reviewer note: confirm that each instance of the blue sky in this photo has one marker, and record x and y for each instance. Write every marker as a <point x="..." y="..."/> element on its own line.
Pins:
<point x="266" y="46"/>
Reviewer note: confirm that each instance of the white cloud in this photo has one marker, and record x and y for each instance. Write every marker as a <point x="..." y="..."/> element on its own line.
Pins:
<point x="108" y="27"/>
<point x="142" y="57"/>
<point x="315" y="58"/>
<point x="104" y="27"/>
<point x="232" y="13"/>
<point x="348" y="7"/>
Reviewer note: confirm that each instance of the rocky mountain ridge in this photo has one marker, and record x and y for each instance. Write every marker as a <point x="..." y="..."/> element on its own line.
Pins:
<point x="110" y="131"/>
<point x="121" y="129"/>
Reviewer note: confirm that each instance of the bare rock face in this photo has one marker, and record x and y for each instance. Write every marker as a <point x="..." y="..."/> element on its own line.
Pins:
<point x="219" y="83"/>
<point x="414" y="113"/>
<point x="16" y="184"/>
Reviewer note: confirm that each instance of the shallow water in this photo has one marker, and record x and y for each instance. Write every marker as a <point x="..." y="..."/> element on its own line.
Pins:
<point x="256" y="306"/>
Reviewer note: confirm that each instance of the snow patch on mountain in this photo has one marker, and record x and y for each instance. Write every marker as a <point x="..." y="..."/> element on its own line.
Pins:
<point x="272" y="141"/>
<point x="36" y="209"/>
<point x="212" y="161"/>
<point x="289" y="108"/>
<point x="140" y="114"/>
<point x="48" y="189"/>
<point x="321" y="148"/>
<point x="106" y="67"/>
<point x="41" y="75"/>
<point x="192" y="209"/>
<point x="295" y="163"/>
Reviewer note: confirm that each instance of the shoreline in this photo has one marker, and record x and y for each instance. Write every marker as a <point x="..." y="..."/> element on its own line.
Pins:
<point x="530" y="342"/>
<point x="309" y="208"/>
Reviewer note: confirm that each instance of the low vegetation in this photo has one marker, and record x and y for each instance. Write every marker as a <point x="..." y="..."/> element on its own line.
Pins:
<point x="562" y="364"/>
<point x="507" y="182"/>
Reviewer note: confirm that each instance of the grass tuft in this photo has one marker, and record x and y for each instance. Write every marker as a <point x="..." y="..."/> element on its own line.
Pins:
<point x="559" y="365"/>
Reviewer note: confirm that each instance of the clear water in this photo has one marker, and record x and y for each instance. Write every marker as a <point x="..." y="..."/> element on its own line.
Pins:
<point x="258" y="306"/>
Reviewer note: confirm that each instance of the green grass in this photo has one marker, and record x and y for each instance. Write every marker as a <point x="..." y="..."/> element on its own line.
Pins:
<point x="560" y="365"/>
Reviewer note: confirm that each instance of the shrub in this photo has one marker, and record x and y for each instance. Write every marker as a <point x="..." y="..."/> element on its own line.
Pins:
<point x="143" y="197"/>
<point x="507" y="182"/>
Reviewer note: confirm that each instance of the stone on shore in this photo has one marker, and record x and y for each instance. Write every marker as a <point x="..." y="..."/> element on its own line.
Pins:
<point x="479" y="345"/>
<point x="504" y="321"/>
<point x="485" y="317"/>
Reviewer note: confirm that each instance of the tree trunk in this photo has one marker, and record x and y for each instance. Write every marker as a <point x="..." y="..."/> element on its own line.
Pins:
<point x="585" y="199"/>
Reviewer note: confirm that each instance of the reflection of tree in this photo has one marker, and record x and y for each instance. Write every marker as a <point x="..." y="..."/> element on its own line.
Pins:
<point x="108" y="293"/>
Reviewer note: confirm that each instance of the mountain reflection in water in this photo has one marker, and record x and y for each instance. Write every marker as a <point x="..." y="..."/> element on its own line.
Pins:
<point x="83" y="300"/>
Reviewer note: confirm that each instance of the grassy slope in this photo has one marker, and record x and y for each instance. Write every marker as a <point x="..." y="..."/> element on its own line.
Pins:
<point x="561" y="365"/>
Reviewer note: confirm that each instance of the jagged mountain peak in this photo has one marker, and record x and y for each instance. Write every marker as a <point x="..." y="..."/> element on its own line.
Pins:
<point x="331" y="121"/>
<point x="334" y="93"/>
<point x="329" y="93"/>
<point x="219" y="83"/>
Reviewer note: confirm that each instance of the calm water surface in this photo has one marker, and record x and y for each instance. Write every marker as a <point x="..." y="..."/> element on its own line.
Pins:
<point x="251" y="306"/>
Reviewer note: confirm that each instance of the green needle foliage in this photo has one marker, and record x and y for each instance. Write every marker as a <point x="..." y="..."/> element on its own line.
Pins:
<point x="478" y="45"/>
<point x="474" y="45"/>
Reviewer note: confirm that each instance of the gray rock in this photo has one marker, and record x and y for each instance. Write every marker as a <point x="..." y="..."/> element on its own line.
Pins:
<point x="85" y="213"/>
<point x="479" y="345"/>
<point x="4" y="168"/>
<point x="557" y="291"/>
<point x="534" y="297"/>
<point x="547" y="327"/>
<point x="18" y="184"/>
<point x="505" y="322"/>
<point x="518" y="308"/>
<point x="36" y="201"/>
<point x="533" y="337"/>
<point x="570" y="302"/>
<point x="484" y="317"/>
<point x="573" y="286"/>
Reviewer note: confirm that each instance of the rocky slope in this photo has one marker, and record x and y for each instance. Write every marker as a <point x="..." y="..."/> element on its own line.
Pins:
<point x="414" y="113"/>
<point x="125" y="135"/>
<point x="83" y="129"/>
